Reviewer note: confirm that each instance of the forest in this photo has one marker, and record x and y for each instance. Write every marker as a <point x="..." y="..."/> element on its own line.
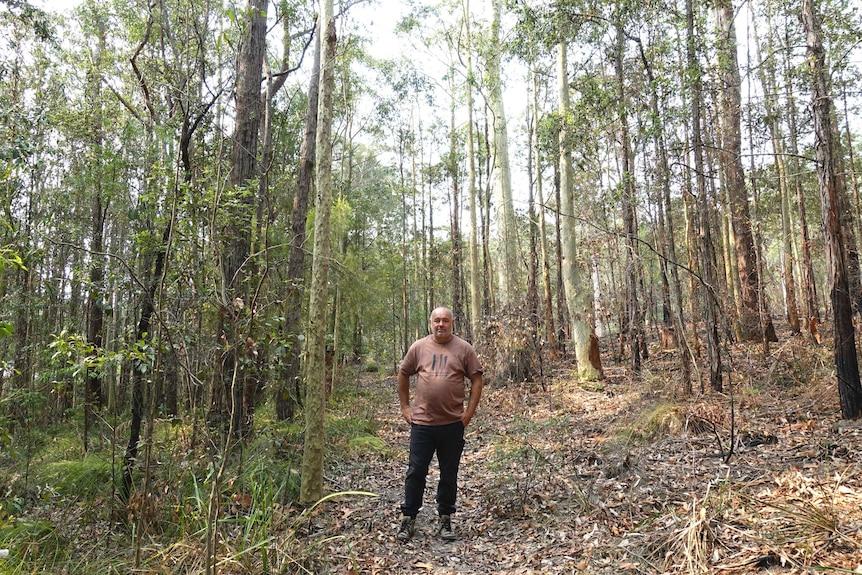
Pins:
<point x="224" y="223"/>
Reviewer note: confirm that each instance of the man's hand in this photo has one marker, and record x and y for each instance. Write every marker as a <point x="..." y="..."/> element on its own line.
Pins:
<point x="404" y="397"/>
<point x="407" y="413"/>
<point x="475" y="395"/>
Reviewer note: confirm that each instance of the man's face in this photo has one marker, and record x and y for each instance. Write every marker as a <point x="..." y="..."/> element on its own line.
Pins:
<point x="441" y="325"/>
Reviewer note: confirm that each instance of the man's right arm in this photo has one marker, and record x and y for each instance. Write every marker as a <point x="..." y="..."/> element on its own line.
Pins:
<point x="404" y="396"/>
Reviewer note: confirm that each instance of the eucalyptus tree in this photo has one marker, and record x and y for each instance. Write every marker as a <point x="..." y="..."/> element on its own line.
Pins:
<point x="547" y="286"/>
<point x="508" y="259"/>
<point x="100" y="205"/>
<point x="658" y="89"/>
<point x="296" y="36"/>
<point x="311" y="488"/>
<point x="236" y="292"/>
<point x="810" y="299"/>
<point x="833" y="204"/>
<point x="768" y="75"/>
<point x="472" y="192"/>
<point x="628" y="200"/>
<point x="288" y="392"/>
<point x="706" y="254"/>
<point x="752" y="322"/>
<point x="576" y="275"/>
<point x="531" y="43"/>
<point x="408" y="113"/>
<point x="454" y="172"/>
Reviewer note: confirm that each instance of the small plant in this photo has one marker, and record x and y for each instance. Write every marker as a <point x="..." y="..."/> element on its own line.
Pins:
<point x="652" y="423"/>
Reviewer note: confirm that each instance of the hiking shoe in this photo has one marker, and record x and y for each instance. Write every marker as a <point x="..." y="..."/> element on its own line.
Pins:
<point x="445" y="528"/>
<point x="407" y="529"/>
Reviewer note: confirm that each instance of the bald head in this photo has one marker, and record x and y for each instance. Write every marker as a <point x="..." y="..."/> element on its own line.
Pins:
<point x="441" y="324"/>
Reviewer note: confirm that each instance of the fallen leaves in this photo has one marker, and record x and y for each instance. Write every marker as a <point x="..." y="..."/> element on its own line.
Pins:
<point x="549" y="485"/>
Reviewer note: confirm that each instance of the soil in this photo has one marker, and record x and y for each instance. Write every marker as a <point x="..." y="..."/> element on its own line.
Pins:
<point x="624" y="475"/>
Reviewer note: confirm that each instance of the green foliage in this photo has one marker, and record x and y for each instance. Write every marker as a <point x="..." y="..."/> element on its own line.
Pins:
<point x="83" y="479"/>
<point x="20" y="14"/>
<point x="35" y="547"/>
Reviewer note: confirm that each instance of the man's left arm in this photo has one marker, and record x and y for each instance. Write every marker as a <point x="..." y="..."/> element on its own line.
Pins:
<point x="475" y="395"/>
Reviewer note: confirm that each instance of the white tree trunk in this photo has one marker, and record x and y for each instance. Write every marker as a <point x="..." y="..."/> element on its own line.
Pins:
<point x="576" y="273"/>
<point x="475" y="287"/>
<point x="507" y="239"/>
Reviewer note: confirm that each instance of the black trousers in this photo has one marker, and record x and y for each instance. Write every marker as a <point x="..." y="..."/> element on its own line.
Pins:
<point x="447" y="441"/>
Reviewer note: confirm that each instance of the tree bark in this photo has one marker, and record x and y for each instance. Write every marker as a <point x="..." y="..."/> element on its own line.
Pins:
<point x="99" y="206"/>
<point x="751" y="325"/>
<point x="633" y="314"/>
<point x="311" y="488"/>
<point x="472" y="192"/>
<point x="706" y="256"/>
<point x="811" y="319"/>
<point x="576" y="275"/>
<point x="238" y="382"/>
<point x="547" y="288"/>
<point x="507" y="237"/>
<point x="846" y="360"/>
<point x="667" y="241"/>
<point x="767" y="75"/>
<point x="455" y="212"/>
<point x="289" y="394"/>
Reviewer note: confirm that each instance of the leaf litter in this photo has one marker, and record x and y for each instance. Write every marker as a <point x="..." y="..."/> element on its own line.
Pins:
<point x="625" y="476"/>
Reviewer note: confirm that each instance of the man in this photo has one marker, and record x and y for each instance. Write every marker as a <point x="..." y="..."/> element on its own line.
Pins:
<point x="437" y="417"/>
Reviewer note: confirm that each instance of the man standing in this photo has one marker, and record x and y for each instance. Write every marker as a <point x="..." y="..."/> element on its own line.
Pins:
<point x="437" y="417"/>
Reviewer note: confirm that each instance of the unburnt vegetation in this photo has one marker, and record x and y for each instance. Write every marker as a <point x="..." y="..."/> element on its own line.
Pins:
<point x="223" y="223"/>
<point x="621" y="476"/>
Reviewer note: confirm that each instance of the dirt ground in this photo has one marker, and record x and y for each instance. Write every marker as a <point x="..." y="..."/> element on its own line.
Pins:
<point x="626" y="475"/>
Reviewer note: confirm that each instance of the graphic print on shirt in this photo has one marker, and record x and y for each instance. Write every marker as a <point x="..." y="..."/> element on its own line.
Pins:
<point x="440" y="369"/>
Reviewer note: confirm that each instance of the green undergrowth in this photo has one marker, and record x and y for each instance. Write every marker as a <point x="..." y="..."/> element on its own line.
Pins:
<point x="62" y="512"/>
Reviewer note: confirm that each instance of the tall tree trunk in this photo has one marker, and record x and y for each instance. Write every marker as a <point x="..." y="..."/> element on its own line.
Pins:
<point x="854" y="279"/>
<point x="628" y="200"/>
<point x="811" y="320"/>
<point x="846" y="360"/>
<point x="99" y="206"/>
<point x="563" y="318"/>
<point x="576" y="275"/>
<point x="854" y="214"/>
<point x="472" y="192"/>
<point x="237" y="382"/>
<point x="689" y="201"/>
<point x="289" y="394"/>
<point x="767" y="75"/>
<point x="311" y="488"/>
<point x="507" y="233"/>
<point x="405" y="246"/>
<point x="455" y="213"/>
<point x="489" y="291"/>
<point x="533" y="269"/>
<point x="669" y="261"/>
<point x="709" y="293"/>
<point x="751" y="323"/>
<point x="547" y="299"/>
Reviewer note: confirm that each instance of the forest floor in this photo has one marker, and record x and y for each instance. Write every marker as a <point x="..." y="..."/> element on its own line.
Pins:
<point x="626" y="476"/>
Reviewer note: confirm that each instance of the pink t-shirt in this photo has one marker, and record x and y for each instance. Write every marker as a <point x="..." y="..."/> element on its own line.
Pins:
<point x="440" y="388"/>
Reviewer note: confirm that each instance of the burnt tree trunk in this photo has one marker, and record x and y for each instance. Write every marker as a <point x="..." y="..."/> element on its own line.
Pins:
<point x="846" y="361"/>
